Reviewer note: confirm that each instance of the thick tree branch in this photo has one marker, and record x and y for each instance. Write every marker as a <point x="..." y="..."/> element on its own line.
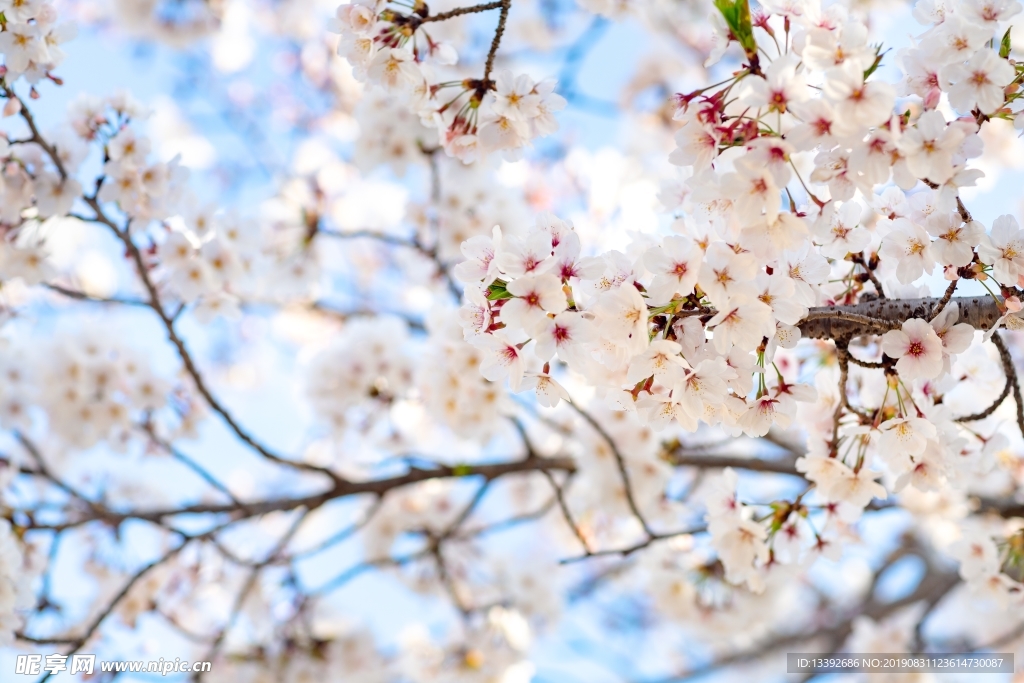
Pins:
<point x="680" y="458"/>
<point x="875" y="317"/>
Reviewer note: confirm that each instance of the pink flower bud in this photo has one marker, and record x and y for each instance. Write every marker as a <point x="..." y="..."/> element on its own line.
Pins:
<point x="12" y="107"/>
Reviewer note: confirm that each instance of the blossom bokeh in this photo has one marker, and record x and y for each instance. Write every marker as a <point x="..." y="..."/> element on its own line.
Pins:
<point x="607" y="340"/>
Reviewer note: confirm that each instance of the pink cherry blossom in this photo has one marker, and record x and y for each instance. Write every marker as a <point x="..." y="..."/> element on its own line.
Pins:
<point x="918" y="349"/>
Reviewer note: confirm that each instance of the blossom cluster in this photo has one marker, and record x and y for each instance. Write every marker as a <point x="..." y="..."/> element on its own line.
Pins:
<point x="992" y="565"/>
<point x="471" y="117"/>
<point x="31" y="41"/>
<point x="199" y="254"/>
<point x="367" y="361"/>
<point x="97" y="390"/>
<point x="807" y="183"/>
<point x="374" y="365"/>
<point x="645" y="352"/>
<point x="450" y="387"/>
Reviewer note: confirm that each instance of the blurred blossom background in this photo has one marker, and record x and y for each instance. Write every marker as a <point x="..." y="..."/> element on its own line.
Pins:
<point x="346" y="352"/>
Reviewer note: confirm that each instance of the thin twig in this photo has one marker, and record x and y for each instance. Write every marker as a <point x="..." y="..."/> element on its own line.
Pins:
<point x="343" y="534"/>
<point x="1011" y="376"/>
<point x="506" y="5"/>
<point x="629" y="550"/>
<point x="941" y="305"/>
<point x="620" y="461"/>
<point x="1009" y="371"/>
<point x="560" y="496"/>
<point x="192" y="465"/>
<point x="157" y="306"/>
<point x="248" y="585"/>
<point x="82" y="296"/>
<point x="340" y="490"/>
<point x="459" y="11"/>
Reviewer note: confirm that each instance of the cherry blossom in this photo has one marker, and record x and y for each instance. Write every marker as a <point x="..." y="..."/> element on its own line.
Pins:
<point x="502" y="359"/>
<point x="918" y="349"/>
<point x="742" y="322"/>
<point x="838" y="230"/>
<point x="781" y="86"/>
<point x="979" y="83"/>
<point x="565" y="334"/>
<point x="911" y="248"/>
<point x="535" y="297"/>
<point x="513" y="96"/>
<point x="956" y="239"/>
<point x="697" y="145"/>
<point x="1003" y="249"/>
<point x="929" y="146"/>
<point x="676" y="265"/>
<point x="480" y="264"/>
<point x="549" y="392"/>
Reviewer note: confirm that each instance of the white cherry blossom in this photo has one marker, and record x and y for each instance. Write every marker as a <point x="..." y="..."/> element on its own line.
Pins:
<point x="979" y="83"/>
<point x="918" y="349"/>
<point x="1003" y="249"/>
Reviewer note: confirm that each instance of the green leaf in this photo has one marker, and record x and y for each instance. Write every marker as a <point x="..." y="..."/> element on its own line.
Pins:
<point x="496" y="294"/>
<point x="461" y="470"/>
<point x="875" y="64"/>
<point x="1004" y="44"/>
<point x="737" y="17"/>
<point x="497" y="291"/>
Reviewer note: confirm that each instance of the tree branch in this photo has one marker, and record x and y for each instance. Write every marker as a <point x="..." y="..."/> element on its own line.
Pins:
<point x="1011" y="377"/>
<point x="460" y="11"/>
<point x="505" y="5"/>
<point x="341" y="489"/>
<point x="680" y="458"/>
<point x="620" y="462"/>
<point x="875" y="317"/>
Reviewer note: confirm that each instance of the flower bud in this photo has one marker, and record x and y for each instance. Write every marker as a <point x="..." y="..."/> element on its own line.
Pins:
<point x="12" y="107"/>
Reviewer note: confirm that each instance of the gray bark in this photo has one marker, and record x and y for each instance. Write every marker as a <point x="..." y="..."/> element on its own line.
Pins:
<point x="980" y="312"/>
